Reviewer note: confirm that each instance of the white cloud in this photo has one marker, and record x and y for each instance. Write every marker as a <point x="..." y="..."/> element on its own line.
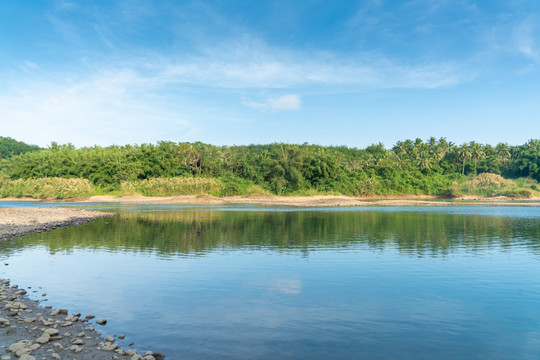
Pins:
<point x="281" y="103"/>
<point x="104" y="109"/>
<point x="525" y="41"/>
<point x="248" y="65"/>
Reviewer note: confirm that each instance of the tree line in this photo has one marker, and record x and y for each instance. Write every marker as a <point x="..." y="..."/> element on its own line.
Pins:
<point x="409" y="167"/>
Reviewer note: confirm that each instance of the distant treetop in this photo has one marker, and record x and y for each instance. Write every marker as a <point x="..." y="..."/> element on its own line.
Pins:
<point x="10" y="147"/>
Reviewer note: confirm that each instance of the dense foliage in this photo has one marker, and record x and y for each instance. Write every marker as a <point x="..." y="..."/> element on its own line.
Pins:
<point x="9" y="147"/>
<point x="410" y="167"/>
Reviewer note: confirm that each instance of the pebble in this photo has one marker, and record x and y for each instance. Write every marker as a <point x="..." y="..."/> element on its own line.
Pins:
<point x="121" y="336"/>
<point x="19" y="345"/>
<point x="4" y="322"/>
<point x="52" y="332"/>
<point x="43" y="339"/>
<point x="27" y="357"/>
<point x="101" y="322"/>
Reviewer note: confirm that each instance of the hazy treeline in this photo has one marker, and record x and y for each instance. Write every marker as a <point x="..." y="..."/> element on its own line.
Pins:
<point x="434" y="166"/>
<point x="10" y="147"/>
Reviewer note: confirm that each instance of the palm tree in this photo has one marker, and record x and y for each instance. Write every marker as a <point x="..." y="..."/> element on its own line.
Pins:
<point x="477" y="153"/>
<point x="503" y="153"/>
<point x="464" y="153"/>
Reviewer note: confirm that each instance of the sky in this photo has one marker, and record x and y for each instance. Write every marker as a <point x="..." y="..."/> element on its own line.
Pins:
<point x="236" y="72"/>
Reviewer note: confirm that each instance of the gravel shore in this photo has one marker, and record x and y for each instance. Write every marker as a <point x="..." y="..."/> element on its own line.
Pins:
<point x="21" y="221"/>
<point x="30" y="331"/>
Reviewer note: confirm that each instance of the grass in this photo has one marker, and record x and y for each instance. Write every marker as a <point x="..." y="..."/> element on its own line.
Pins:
<point x="60" y="189"/>
<point x="487" y="184"/>
<point x="172" y="186"/>
<point x="47" y="188"/>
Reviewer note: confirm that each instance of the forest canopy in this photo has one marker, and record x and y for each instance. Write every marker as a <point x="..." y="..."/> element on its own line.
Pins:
<point x="434" y="167"/>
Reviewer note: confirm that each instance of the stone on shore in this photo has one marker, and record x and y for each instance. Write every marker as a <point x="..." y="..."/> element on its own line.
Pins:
<point x="19" y="346"/>
<point x="27" y="357"/>
<point x="43" y="339"/>
<point x="101" y="322"/>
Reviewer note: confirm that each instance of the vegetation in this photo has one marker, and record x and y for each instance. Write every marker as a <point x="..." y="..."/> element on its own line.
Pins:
<point x="432" y="167"/>
<point x="9" y="147"/>
<point x="47" y="188"/>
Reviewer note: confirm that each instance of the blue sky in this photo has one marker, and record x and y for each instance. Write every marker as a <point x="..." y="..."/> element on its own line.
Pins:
<point x="241" y="72"/>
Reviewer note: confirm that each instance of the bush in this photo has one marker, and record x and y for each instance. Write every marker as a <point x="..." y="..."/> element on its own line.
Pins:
<point x="519" y="193"/>
<point x="172" y="186"/>
<point x="47" y="188"/>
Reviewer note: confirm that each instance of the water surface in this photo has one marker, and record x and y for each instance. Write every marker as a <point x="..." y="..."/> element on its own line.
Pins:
<point x="245" y="282"/>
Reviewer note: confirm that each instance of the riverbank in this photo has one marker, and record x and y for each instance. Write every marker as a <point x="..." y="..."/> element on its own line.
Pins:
<point x="316" y="200"/>
<point x="21" y="221"/>
<point x="29" y="330"/>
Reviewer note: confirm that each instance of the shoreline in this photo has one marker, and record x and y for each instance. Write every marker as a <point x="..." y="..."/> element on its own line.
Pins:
<point x="301" y="201"/>
<point x="30" y="330"/>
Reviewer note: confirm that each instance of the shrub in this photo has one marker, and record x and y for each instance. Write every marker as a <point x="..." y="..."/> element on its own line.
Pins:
<point x="172" y="186"/>
<point x="47" y="188"/>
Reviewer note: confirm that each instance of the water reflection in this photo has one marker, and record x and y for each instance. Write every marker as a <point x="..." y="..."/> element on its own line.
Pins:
<point x="453" y="283"/>
<point x="192" y="233"/>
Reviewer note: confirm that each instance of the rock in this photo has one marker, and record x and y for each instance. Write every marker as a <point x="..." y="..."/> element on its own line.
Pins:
<point x="43" y="339"/>
<point x="121" y="336"/>
<point x="55" y="356"/>
<point x="66" y="324"/>
<point x="137" y="357"/>
<point x="149" y="353"/>
<point x="54" y="313"/>
<point x="20" y="292"/>
<point x="19" y="345"/>
<point x="159" y="356"/>
<point x="130" y="352"/>
<point x="24" y="351"/>
<point x="34" y="347"/>
<point x="109" y="339"/>
<point x="62" y="311"/>
<point x="101" y="322"/>
<point x="78" y="342"/>
<point x="4" y="322"/>
<point x="27" y="357"/>
<point x="52" y="332"/>
<point x="111" y="347"/>
<point x="149" y="357"/>
<point x="90" y="317"/>
<point x="30" y="320"/>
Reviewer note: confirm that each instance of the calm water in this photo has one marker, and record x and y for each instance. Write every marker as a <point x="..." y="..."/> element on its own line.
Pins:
<point x="243" y="282"/>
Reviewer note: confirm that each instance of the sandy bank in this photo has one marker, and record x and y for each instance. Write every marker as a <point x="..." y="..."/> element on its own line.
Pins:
<point x="20" y="221"/>
<point x="313" y="201"/>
